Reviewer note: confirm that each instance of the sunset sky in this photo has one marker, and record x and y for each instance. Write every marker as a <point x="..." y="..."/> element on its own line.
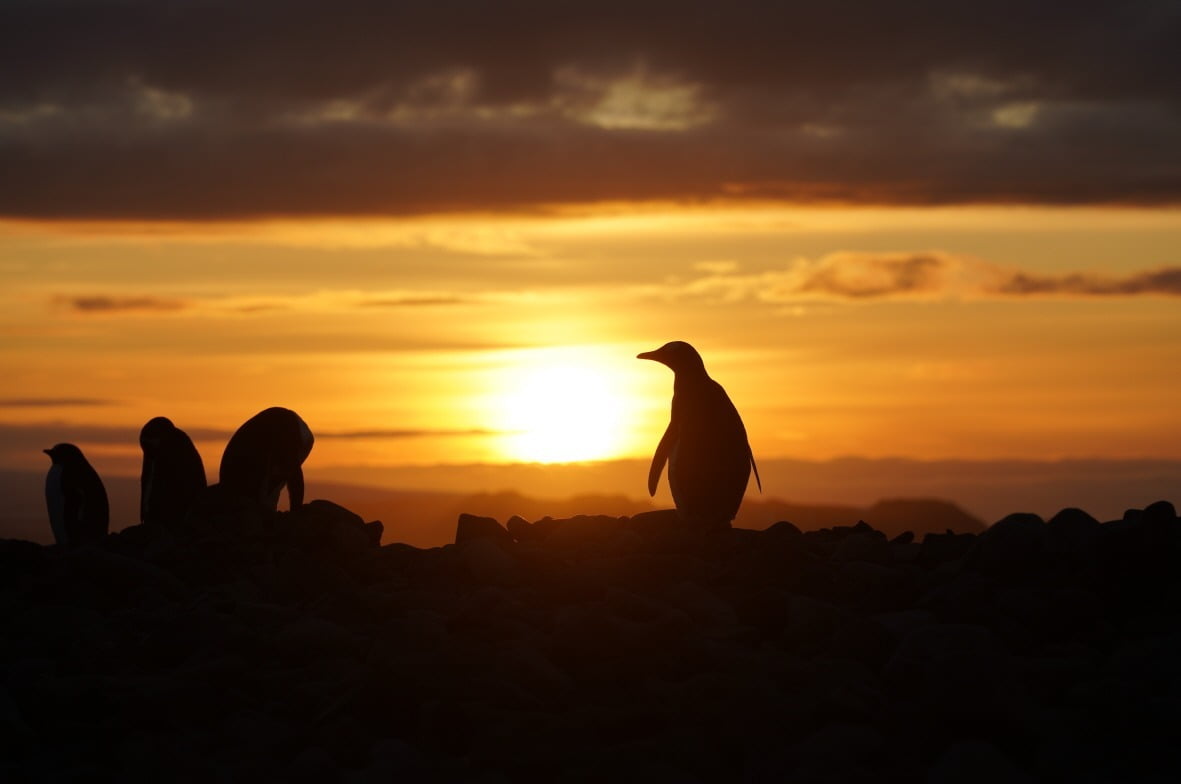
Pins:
<point x="442" y="231"/>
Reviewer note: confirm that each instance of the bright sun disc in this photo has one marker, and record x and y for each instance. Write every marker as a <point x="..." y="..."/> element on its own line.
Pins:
<point x="561" y="413"/>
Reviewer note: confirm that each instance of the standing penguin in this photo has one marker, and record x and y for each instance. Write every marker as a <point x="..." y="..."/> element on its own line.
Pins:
<point x="77" y="500"/>
<point x="266" y="453"/>
<point x="709" y="457"/>
<point x="173" y="473"/>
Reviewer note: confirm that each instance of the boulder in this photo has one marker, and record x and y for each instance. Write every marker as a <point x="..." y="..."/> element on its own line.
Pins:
<point x="1014" y="545"/>
<point x="868" y="546"/>
<point x="938" y="549"/>
<point x="1068" y="532"/>
<point x="471" y="527"/>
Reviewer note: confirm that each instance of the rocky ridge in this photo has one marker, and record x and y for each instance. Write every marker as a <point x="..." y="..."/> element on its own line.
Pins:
<point x="296" y="647"/>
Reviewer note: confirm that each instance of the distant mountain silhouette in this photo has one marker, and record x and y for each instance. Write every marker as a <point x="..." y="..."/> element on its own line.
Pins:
<point x="424" y="518"/>
<point x="891" y="516"/>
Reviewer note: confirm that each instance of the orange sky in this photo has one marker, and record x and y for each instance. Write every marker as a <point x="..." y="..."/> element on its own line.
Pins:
<point x="929" y="333"/>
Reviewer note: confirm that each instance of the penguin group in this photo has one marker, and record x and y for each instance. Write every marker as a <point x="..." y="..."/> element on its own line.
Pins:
<point x="262" y="457"/>
<point x="705" y="446"/>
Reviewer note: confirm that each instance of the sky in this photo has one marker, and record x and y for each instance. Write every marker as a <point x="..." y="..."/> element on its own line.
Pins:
<point x="442" y="231"/>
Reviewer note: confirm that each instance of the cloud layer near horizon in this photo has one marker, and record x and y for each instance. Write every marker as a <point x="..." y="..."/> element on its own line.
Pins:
<point x="835" y="277"/>
<point x="854" y="277"/>
<point x="138" y="109"/>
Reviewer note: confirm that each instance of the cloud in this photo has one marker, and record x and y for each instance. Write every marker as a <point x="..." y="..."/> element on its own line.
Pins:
<point x="101" y="304"/>
<point x="408" y="433"/>
<point x="415" y="301"/>
<point x="28" y="439"/>
<point x="862" y="277"/>
<point x="54" y="402"/>
<point x="119" y="110"/>
<point x="1162" y="282"/>
<point x="854" y="276"/>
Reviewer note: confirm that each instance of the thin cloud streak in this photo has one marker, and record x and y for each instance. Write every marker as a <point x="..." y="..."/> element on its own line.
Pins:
<point x="1161" y="282"/>
<point x="101" y="304"/>
<point x="55" y="402"/>
<point x="413" y="301"/>
<point x="411" y="433"/>
<point x="863" y="277"/>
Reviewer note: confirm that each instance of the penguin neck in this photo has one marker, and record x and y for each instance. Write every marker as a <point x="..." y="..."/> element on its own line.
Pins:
<point x="689" y="379"/>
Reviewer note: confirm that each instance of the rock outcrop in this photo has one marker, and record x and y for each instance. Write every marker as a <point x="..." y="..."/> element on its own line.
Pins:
<point x="295" y="647"/>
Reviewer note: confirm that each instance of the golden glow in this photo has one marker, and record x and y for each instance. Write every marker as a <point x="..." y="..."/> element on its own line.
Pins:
<point x="563" y="406"/>
<point x="474" y="338"/>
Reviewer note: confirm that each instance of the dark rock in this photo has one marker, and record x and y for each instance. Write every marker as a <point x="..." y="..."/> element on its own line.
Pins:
<point x="660" y="522"/>
<point x="471" y="527"/>
<point x="976" y="762"/>
<point x="521" y="529"/>
<point x="583" y="531"/>
<point x="122" y="579"/>
<point x="333" y="527"/>
<point x="486" y="560"/>
<point x="864" y="545"/>
<point x="783" y="530"/>
<point x="1069" y="531"/>
<point x="247" y="646"/>
<point x="863" y="640"/>
<point x="902" y="622"/>
<point x="952" y="672"/>
<point x="1015" y="545"/>
<point x="839" y="740"/>
<point x="938" y="549"/>
<point x="1160" y="512"/>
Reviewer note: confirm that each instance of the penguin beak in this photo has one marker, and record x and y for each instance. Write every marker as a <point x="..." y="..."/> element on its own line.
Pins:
<point x="653" y="355"/>
<point x="48" y="452"/>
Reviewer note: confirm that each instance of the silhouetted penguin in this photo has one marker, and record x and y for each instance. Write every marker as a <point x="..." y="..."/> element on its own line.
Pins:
<point x="709" y="457"/>
<point x="77" y="500"/>
<point x="266" y="453"/>
<point x="173" y="473"/>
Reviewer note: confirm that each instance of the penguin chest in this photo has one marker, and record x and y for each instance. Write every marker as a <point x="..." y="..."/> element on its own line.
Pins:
<point x="55" y="499"/>
<point x="149" y="480"/>
<point x="709" y="464"/>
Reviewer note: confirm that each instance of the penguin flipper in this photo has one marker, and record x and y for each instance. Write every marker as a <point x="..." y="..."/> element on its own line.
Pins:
<point x="756" y="469"/>
<point x="661" y="457"/>
<point x="295" y="489"/>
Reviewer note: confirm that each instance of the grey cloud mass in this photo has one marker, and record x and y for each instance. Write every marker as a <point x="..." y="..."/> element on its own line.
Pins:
<point x="202" y="110"/>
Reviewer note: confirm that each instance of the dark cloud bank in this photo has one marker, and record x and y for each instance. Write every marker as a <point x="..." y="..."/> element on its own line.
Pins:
<point x="137" y="109"/>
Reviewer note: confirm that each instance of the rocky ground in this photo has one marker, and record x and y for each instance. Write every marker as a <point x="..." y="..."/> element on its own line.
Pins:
<point x="594" y="649"/>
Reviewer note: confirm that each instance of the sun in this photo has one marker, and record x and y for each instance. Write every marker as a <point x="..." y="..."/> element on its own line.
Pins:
<point x="562" y="412"/>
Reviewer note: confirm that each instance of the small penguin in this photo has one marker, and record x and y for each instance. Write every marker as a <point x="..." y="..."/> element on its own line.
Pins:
<point x="266" y="453"/>
<point x="708" y="454"/>
<point x="77" y="500"/>
<point x="173" y="473"/>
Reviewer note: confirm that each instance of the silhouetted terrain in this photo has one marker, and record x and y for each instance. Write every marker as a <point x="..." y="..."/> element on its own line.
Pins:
<point x="294" y="646"/>
<point x="427" y="519"/>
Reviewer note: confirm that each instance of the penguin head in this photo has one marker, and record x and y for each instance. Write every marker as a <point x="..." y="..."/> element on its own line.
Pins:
<point x="154" y="433"/>
<point x="679" y="356"/>
<point x="62" y="454"/>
